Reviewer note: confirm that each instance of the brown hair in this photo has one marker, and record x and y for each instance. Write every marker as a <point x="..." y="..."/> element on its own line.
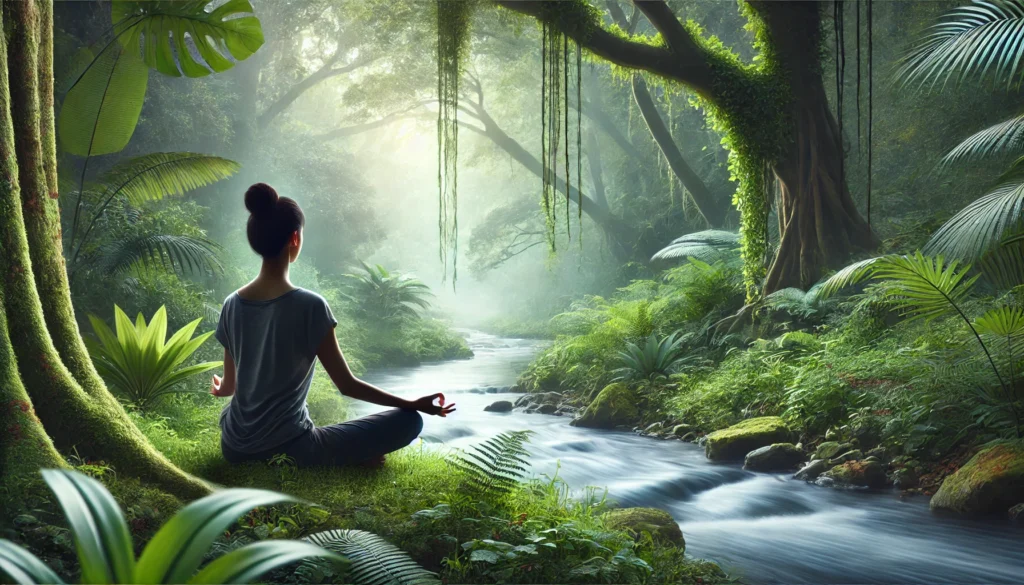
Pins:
<point x="272" y="220"/>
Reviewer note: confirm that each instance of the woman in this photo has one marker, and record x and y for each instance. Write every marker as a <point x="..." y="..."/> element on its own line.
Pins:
<point x="272" y="333"/>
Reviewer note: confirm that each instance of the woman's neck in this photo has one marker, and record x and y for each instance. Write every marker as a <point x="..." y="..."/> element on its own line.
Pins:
<point x="271" y="282"/>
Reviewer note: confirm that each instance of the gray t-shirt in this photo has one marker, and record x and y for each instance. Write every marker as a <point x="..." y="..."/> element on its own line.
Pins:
<point x="273" y="344"/>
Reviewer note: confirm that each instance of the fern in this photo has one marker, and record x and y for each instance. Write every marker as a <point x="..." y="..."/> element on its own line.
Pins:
<point x="373" y="560"/>
<point x="497" y="465"/>
<point x="708" y="245"/>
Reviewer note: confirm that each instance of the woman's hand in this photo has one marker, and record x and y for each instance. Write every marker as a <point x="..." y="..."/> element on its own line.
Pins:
<point x="426" y="405"/>
<point x="215" y="388"/>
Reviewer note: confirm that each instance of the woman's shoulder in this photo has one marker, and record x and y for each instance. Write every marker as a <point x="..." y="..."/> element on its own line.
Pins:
<point x="306" y="296"/>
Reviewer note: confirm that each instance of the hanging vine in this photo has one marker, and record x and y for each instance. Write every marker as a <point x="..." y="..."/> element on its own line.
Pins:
<point x="452" y="43"/>
<point x="556" y="127"/>
<point x="870" y="104"/>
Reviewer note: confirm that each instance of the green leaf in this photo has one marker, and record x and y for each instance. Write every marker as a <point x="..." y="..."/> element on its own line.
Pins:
<point x="22" y="567"/>
<point x="100" y="112"/>
<point x="373" y="559"/>
<point x="169" y="28"/>
<point x="178" y="548"/>
<point x="482" y="555"/>
<point x="101" y="535"/>
<point x="152" y="177"/>
<point x="249" y="563"/>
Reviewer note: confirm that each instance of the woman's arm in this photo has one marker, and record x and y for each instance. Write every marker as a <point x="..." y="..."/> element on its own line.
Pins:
<point x="226" y="386"/>
<point x="337" y="368"/>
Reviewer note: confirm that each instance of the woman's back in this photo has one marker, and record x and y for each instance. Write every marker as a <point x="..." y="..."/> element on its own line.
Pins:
<point x="273" y="344"/>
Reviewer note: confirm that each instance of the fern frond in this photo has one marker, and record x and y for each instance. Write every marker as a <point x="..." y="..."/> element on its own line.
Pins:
<point x="497" y="465"/>
<point x="707" y="245"/>
<point x="155" y="176"/>
<point x="183" y="254"/>
<point x="374" y="561"/>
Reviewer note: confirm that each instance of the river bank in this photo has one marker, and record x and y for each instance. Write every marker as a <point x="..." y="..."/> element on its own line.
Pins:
<point x="761" y="527"/>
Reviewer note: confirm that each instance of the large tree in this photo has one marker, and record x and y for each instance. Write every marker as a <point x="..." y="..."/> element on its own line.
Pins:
<point x="50" y="394"/>
<point x="774" y="113"/>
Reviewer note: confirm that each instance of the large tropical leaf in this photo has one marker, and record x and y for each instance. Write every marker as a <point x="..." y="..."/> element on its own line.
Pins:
<point x="373" y="559"/>
<point x="1003" y="267"/>
<point x="101" y="534"/>
<point x="102" y="107"/>
<point x="974" y="41"/>
<point x="173" y="33"/>
<point x="1004" y="137"/>
<point x="158" y="175"/>
<point x="182" y="254"/>
<point x="707" y="245"/>
<point x="921" y="287"/>
<point x="248" y="563"/>
<point x="979" y="227"/>
<point x="22" y="567"/>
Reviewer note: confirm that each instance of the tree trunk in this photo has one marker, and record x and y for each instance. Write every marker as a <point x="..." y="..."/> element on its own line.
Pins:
<point x="73" y="404"/>
<point x="819" y="224"/>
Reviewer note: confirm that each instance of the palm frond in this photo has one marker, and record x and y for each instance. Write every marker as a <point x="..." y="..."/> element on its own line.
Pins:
<point x="1004" y="137"/>
<point x="1003" y="267"/>
<point x="155" y="176"/>
<point x="969" y="42"/>
<point x="495" y="466"/>
<point x="373" y="560"/>
<point x="182" y="254"/>
<point x="707" y="245"/>
<point x="848" y="276"/>
<point x="980" y="226"/>
<point x="658" y="357"/>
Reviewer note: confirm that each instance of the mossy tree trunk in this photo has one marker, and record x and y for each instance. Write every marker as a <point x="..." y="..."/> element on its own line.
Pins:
<point x="775" y="111"/>
<point x="46" y="368"/>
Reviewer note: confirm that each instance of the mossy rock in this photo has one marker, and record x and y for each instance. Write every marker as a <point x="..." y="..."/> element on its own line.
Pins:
<point x="869" y="474"/>
<point x="827" y="450"/>
<point x="775" y="457"/>
<point x="614" y="406"/>
<point x="659" y="523"/>
<point x="990" y="483"/>
<point x="736" y="441"/>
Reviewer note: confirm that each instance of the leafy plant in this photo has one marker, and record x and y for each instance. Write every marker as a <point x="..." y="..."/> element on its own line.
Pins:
<point x="495" y="466"/>
<point x="105" y="550"/>
<point x="372" y="559"/>
<point x="974" y="42"/>
<point x="707" y="246"/>
<point x="657" y="358"/>
<point x="143" y="179"/>
<point x="139" y="362"/>
<point x="927" y="288"/>
<point x="388" y="295"/>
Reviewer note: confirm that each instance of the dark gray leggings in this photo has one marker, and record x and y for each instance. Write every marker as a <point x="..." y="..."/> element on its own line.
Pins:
<point x="348" y="443"/>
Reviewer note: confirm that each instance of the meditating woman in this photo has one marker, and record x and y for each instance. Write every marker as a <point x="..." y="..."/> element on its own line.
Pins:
<point x="272" y="333"/>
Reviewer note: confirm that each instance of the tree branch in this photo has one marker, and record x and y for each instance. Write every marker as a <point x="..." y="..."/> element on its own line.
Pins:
<point x="367" y="126"/>
<point x="327" y="71"/>
<point x="593" y="150"/>
<point x="685" y="62"/>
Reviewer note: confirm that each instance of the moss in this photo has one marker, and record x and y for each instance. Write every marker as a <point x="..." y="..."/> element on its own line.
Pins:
<point x="990" y="483"/>
<point x="658" y="523"/>
<point x="614" y="406"/>
<point x="736" y="441"/>
<point x="868" y="474"/>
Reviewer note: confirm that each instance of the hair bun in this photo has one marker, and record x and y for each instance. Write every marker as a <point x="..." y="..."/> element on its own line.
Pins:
<point x="261" y="199"/>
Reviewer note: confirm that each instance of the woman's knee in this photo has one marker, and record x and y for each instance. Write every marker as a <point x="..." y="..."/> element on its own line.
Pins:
<point x="411" y="421"/>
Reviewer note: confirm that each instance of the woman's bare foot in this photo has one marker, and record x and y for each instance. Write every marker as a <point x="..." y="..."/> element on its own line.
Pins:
<point x="373" y="463"/>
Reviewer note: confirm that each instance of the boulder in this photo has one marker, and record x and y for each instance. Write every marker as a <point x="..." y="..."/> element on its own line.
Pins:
<point x="547" y="408"/>
<point x="827" y="450"/>
<point x="547" y="398"/>
<point x="905" y="479"/>
<point x="736" y="441"/>
<point x="869" y="474"/>
<point x="990" y="483"/>
<point x="658" y="523"/>
<point x="499" y="406"/>
<point x="812" y="470"/>
<point x="1017" y="514"/>
<point x="653" y="428"/>
<point x="851" y="455"/>
<point x="492" y="390"/>
<point x="523" y="400"/>
<point x="775" y="457"/>
<point x="681" y="430"/>
<point x="614" y="407"/>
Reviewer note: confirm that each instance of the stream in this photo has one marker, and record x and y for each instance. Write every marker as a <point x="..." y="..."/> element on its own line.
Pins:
<point x="760" y="527"/>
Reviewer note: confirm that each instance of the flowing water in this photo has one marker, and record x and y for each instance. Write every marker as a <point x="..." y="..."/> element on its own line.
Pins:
<point x="761" y="528"/>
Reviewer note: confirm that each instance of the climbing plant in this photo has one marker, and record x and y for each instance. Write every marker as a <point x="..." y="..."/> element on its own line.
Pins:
<point x="453" y="18"/>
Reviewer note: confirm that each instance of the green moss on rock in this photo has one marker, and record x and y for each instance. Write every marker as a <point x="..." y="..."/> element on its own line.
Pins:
<point x="869" y="474"/>
<point x="659" y="523"/>
<point x="736" y="441"/>
<point x="614" y="406"/>
<point x="990" y="483"/>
